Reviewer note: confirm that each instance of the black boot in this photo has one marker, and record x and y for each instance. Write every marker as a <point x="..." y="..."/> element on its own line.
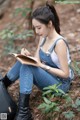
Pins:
<point x="23" y="108"/>
<point x="6" y="81"/>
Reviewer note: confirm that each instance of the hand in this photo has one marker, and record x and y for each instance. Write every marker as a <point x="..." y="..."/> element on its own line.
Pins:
<point x="24" y="51"/>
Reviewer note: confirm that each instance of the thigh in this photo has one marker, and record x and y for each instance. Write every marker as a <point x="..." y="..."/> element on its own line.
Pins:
<point x="42" y="78"/>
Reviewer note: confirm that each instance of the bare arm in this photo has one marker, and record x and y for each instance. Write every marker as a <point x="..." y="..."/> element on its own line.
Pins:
<point x="61" y="51"/>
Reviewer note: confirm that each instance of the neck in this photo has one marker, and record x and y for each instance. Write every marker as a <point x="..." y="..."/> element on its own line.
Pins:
<point x="52" y="35"/>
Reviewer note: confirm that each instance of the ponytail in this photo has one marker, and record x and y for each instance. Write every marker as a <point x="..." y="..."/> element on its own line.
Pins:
<point x="56" y="21"/>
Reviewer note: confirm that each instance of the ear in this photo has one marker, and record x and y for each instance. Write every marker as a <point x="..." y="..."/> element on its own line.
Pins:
<point x="50" y="24"/>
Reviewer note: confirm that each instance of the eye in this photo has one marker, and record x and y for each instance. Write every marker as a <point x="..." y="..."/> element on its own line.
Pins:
<point x="39" y="27"/>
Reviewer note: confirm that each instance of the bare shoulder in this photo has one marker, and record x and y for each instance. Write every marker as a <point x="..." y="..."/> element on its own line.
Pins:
<point x="61" y="43"/>
<point x="60" y="46"/>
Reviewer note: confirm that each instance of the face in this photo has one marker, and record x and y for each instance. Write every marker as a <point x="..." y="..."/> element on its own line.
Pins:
<point x="40" y="29"/>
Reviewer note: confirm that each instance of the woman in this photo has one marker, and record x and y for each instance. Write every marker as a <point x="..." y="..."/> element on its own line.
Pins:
<point x="53" y="55"/>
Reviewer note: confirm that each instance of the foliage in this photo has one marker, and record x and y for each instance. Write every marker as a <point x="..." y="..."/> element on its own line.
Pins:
<point x="12" y="31"/>
<point x="56" y="102"/>
<point x="23" y="11"/>
<point x="69" y="114"/>
<point x="68" y="1"/>
<point x="77" y="67"/>
<point x="10" y="36"/>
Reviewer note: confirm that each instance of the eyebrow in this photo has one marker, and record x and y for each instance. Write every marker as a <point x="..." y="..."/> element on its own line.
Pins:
<point x="35" y="26"/>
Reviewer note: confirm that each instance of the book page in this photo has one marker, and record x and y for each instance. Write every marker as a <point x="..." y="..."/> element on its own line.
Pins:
<point x="29" y="60"/>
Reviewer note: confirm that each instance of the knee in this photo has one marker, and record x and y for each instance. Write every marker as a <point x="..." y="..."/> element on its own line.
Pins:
<point x="28" y="68"/>
<point x="25" y="68"/>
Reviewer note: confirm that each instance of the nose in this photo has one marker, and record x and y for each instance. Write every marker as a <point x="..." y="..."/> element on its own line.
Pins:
<point x="37" y="32"/>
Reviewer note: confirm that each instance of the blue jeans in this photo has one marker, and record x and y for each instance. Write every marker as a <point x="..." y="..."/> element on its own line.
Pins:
<point x="29" y="75"/>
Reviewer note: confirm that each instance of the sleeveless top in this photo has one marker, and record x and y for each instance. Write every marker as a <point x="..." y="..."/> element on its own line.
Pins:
<point x="51" y="52"/>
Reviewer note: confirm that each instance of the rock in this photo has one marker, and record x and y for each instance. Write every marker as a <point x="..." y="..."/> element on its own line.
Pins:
<point x="78" y="10"/>
<point x="72" y="35"/>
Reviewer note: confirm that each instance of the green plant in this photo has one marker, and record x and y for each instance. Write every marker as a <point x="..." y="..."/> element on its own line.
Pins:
<point x="56" y="103"/>
<point x="69" y="115"/>
<point x="10" y="36"/>
<point x="76" y="105"/>
<point x="67" y="1"/>
<point x="77" y="67"/>
<point x="14" y="31"/>
<point x="23" y="11"/>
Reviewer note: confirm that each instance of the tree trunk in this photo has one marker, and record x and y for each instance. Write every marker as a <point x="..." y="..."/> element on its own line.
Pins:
<point x="3" y="6"/>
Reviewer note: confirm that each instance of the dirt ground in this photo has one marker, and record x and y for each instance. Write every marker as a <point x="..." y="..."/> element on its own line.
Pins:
<point x="69" y="15"/>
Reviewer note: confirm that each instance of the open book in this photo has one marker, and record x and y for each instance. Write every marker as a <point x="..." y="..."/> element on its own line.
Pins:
<point x="29" y="60"/>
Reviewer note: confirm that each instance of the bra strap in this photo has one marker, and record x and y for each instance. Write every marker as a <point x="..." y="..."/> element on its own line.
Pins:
<point x="43" y="41"/>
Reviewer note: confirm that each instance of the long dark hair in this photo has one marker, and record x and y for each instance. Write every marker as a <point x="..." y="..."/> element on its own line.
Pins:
<point x="46" y="13"/>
